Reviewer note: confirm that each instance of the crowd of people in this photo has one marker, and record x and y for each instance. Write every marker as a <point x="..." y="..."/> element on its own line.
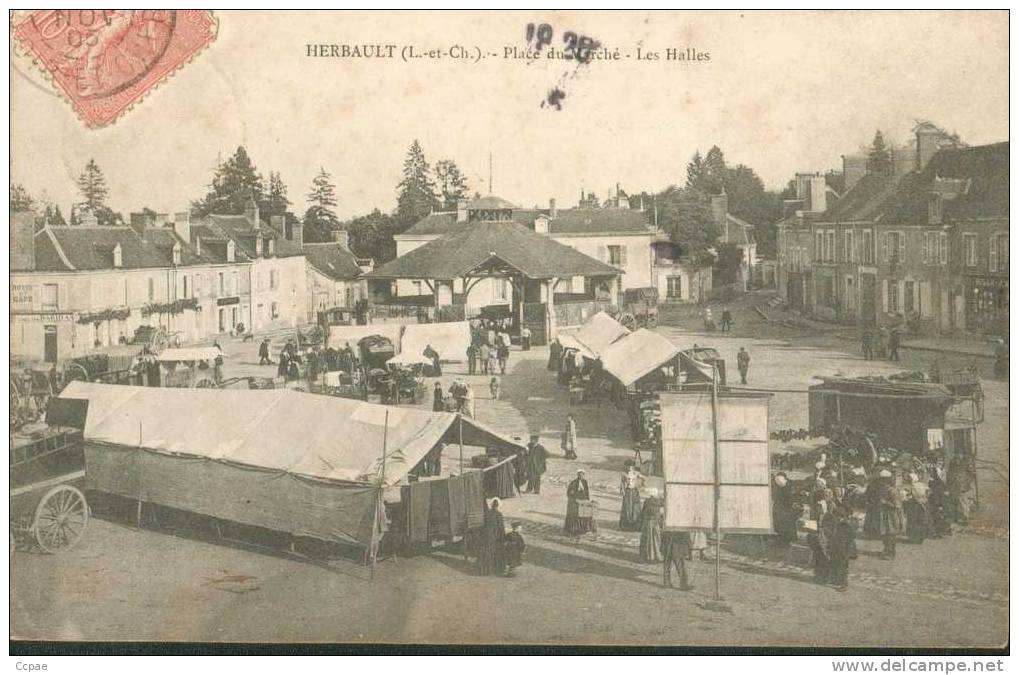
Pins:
<point x="489" y="350"/>
<point x="881" y="343"/>
<point x="917" y="503"/>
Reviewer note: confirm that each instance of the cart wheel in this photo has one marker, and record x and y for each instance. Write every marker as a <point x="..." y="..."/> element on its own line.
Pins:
<point x="629" y="321"/>
<point x="205" y="384"/>
<point x="60" y="518"/>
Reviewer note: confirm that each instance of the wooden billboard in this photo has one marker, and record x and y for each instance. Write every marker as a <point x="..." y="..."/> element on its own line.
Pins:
<point x="688" y="460"/>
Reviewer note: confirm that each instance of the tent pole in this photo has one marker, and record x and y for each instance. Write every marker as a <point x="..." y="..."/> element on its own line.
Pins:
<point x="460" y="417"/>
<point x="718" y="486"/>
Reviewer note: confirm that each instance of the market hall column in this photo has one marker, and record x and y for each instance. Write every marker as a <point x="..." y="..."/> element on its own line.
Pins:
<point x="550" y="305"/>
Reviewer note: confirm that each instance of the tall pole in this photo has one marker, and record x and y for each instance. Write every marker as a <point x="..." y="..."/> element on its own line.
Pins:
<point x="973" y="462"/>
<point x="718" y="479"/>
<point x="379" y="503"/>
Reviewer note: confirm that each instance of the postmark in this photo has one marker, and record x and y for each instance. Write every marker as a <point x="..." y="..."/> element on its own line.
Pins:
<point x="105" y="61"/>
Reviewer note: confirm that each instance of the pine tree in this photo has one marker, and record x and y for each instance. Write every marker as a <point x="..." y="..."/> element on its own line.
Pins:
<point x="695" y="171"/>
<point x="417" y="191"/>
<point x="20" y="199"/>
<point x="879" y="159"/>
<point x="235" y="182"/>
<point x="320" y="218"/>
<point x="277" y="202"/>
<point x="452" y="183"/>
<point x="92" y="186"/>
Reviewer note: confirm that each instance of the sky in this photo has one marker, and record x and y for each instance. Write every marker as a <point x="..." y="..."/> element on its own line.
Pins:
<point x="781" y="92"/>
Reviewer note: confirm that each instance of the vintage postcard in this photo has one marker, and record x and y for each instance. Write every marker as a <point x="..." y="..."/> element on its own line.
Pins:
<point x="551" y="328"/>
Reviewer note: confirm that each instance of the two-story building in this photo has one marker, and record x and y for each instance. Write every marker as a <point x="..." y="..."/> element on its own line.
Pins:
<point x="273" y="293"/>
<point x="334" y="275"/>
<point x="921" y="248"/>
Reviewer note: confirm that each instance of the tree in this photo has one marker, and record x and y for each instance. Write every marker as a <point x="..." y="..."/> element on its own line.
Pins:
<point x="235" y="182"/>
<point x="371" y="236"/>
<point x="879" y="159"/>
<point x="92" y="186"/>
<point x="53" y="216"/>
<point x="686" y="216"/>
<point x="452" y="183"/>
<point x="276" y="202"/>
<point x="730" y="259"/>
<point x="695" y="171"/>
<point x="20" y="199"/>
<point x="320" y="219"/>
<point x="750" y="201"/>
<point x="416" y="191"/>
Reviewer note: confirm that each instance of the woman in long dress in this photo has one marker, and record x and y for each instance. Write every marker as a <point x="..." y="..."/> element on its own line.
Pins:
<point x="651" y="529"/>
<point x="915" y="507"/>
<point x="630" y="483"/>
<point x="578" y="491"/>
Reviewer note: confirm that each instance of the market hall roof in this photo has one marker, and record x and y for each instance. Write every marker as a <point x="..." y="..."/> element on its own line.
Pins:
<point x="567" y="222"/>
<point x="464" y="249"/>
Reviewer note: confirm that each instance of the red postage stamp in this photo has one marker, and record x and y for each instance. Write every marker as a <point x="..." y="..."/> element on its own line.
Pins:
<point x="105" y="61"/>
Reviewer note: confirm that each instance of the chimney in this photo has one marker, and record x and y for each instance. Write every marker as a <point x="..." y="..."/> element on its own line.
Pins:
<point x="297" y="233"/>
<point x="118" y="256"/>
<point x="927" y="141"/>
<point x="141" y="222"/>
<point x="818" y="194"/>
<point x="162" y="219"/>
<point x="342" y="237"/>
<point x="719" y="208"/>
<point x="251" y="213"/>
<point x="553" y="212"/>
<point x="461" y="211"/>
<point x="182" y="225"/>
<point x="22" y="240"/>
<point x="198" y="244"/>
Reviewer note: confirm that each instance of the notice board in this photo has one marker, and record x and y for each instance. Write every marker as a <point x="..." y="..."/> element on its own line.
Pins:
<point x="688" y="461"/>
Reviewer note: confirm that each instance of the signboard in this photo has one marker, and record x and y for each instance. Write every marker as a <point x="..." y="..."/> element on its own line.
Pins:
<point x="688" y="460"/>
<point x="22" y="296"/>
<point x="235" y="300"/>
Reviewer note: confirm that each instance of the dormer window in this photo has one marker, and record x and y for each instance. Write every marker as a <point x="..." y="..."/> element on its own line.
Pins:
<point x="934" y="209"/>
<point x="541" y="225"/>
<point x="230" y="251"/>
<point x="176" y="253"/>
<point x="118" y="256"/>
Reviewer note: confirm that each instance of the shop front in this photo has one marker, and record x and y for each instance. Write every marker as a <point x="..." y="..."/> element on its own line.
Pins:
<point x="987" y="304"/>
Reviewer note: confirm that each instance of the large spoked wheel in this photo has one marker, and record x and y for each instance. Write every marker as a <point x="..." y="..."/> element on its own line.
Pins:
<point x="60" y="519"/>
<point x="628" y="320"/>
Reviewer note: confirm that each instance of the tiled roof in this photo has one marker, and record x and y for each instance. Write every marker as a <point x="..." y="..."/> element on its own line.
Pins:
<point x="566" y="222"/>
<point x="452" y="255"/>
<point x="164" y="239"/>
<point x="332" y="260"/>
<point x="240" y="229"/>
<point x="973" y="180"/>
<point x="91" y="248"/>
<point x="976" y="180"/>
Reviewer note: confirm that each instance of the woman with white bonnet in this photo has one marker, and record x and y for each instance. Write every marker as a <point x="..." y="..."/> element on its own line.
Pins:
<point x="915" y="507"/>
<point x="783" y="511"/>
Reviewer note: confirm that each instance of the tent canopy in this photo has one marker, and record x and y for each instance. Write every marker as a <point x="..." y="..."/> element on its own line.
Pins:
<point x="450" y="339"/>
<point x="339" y="336"/>
<point x="637" y="354"/>
<point x="408" y="359"/>
<point x="600" y="331"/>
<point x="309" y="435"/>
<point x="189" y="354"/>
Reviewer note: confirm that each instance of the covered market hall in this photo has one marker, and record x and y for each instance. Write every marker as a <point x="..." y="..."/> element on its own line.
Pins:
<point x="544" y="275"/>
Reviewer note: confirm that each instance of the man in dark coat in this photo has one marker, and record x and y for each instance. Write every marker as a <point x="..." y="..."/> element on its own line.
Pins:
<point x="493" y="533"/>
<point x="675" y="550"/>
<point x="522" y="469"/>
<point x="538" y="456"/>
<point x="263" y="353"/>
<point x="439" y="400"/>
<point x="743" y="363"/>
<point x="894" y="339"/>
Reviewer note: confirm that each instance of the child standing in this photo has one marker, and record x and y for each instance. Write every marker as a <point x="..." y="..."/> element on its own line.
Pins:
<point x="493" y="386"/>
<point x="514" y="549"/>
